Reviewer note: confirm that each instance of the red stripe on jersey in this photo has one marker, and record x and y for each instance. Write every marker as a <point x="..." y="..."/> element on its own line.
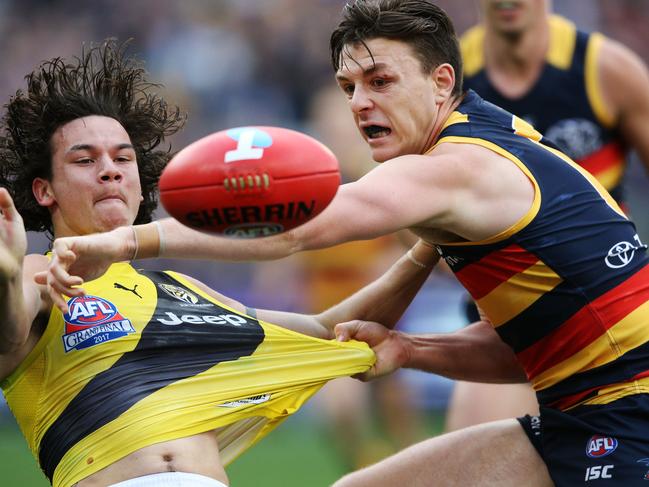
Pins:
<point x="587" y="325"/>
<point x="568" y="401"/>
<point x="483" y="276"/>
<point x="608" y="156"/>
<point x="641" y="375"/>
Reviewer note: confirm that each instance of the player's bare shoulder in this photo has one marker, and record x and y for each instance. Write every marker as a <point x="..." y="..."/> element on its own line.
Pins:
<point x="490" y="192"/>
<point x="622" y="75"/>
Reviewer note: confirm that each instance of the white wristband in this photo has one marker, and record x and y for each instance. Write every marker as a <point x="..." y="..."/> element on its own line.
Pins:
<point x="135" y="248"/>
<point x="415" y="261"/>
<point x="161" y="238"/>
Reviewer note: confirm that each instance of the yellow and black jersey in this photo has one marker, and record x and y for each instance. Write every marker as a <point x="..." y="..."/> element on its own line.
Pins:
<point x="567" y="287"/>
<point x="565" y="104"/>
<point x="147" y="357"/>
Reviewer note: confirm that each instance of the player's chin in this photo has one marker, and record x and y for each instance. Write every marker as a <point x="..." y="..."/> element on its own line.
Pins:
<point x="111" y="220"/>
<point x="383" y="153"/>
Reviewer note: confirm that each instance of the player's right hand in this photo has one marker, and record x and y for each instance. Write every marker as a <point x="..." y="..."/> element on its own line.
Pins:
<point x="83" y="258"/>
<point x="13" y="239"/>
<point x="388" y="345"/>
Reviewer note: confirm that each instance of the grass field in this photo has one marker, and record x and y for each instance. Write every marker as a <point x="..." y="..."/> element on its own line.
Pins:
<point x="296" y="454"/>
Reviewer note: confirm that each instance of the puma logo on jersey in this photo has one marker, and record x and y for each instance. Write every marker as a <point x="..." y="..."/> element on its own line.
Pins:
<point x="173" y="319"/>
<point x="117" y="285"/>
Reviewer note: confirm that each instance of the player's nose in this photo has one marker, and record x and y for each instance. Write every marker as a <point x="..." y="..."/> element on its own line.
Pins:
<point x="360" y="100"/>
<point x="109" y="170"/>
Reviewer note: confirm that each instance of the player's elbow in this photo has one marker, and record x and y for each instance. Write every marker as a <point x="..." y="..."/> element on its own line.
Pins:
<point x="322" y="328"/>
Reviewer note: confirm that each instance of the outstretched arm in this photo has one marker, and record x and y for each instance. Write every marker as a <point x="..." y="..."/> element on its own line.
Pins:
<point x="385" y="299"/>
<point x="375" y="205"/>
<point x="474" y="353"/>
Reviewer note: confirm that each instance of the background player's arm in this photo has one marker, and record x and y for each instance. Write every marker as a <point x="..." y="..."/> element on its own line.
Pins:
<point x="384" y="299"/>
<point x="625" y="86"/>
<point x="475" y="353"/>
<point x="20" y="297"/>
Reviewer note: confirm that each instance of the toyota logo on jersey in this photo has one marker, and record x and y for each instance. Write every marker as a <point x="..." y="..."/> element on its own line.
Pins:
<point x="92" y="320"/>
<point x="600" y="446"/>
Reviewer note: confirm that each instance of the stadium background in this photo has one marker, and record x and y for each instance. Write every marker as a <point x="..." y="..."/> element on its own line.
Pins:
<point x="256" y="62"/>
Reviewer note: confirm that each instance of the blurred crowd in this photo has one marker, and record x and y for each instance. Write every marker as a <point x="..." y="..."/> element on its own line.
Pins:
<point x="266" y="62"/>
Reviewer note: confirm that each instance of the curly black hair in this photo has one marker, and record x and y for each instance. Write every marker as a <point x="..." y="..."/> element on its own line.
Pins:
<point x="104" y="81"/>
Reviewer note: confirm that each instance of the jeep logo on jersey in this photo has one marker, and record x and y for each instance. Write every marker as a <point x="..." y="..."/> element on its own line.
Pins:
<point x="92" y="320"/>
<point x="179" y="293"/>
<point x="172" y="319"/>
<point x="600" y="446"/>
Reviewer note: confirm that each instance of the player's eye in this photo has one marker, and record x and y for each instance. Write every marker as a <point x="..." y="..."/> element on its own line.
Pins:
<point x="348" y="89"/>
<point x="379" y="82"/>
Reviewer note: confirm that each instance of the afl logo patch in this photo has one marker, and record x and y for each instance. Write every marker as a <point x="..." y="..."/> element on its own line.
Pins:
<point x="92" y="320"/>
<point x="179" y="293"/>
<point x="600" y="446"/>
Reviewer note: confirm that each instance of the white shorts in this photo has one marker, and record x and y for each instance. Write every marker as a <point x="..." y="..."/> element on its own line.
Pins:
<point x="171" y="479"/>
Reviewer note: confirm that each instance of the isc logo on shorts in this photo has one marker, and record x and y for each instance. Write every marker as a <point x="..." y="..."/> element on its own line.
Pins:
<point x="92" y="320"/>
<point x="600" y="446"/>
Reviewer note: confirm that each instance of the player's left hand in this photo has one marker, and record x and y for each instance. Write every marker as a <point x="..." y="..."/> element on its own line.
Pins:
<point x="83" y="258"/>
<point x="388" y="345"/>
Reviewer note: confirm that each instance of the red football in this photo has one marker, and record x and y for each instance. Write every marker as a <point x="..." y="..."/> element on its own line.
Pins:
<point x="249" y="182"/>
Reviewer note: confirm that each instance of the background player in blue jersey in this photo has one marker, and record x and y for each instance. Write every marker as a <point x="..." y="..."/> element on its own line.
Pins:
<point x="586" y="93"/>
<point x="551" y="258"/>
<point x="80" y="154"/>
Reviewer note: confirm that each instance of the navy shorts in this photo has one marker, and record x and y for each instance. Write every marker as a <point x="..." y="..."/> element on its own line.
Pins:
<point x="602" y="445"/>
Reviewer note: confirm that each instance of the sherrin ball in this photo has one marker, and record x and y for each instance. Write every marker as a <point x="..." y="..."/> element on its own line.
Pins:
<point x="249" y="182"/>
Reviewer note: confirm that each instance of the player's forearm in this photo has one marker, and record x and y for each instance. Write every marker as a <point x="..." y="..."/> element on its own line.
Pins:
<point x="386" y="299"/>
<point x="474" y="353"/>
<point x="13" y="319"/>
<point x="169" y="238"/>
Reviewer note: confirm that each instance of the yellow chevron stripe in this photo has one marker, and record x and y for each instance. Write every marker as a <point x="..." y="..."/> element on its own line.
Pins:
<point x="522" y="290"/>
<point x="627" y="334"/>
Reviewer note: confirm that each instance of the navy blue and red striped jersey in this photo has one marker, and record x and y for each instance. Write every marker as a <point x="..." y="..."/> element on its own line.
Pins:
<point x="567" y="287"/>
<point x="565" y="104"/>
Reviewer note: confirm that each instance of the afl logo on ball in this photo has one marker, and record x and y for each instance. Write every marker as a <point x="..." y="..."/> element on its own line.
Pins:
<point x="92" y="320"/>
<point x="600" y="446"/>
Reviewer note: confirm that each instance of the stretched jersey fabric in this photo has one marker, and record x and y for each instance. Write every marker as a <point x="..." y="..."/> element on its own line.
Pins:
<point x="147" y="357"/>
<point x="565" y="104"/>
<point x="567" y="287"/>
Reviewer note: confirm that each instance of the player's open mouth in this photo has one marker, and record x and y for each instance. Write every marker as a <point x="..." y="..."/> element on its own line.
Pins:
<point x="506" y="5"/>
<point x="376" y="131"/>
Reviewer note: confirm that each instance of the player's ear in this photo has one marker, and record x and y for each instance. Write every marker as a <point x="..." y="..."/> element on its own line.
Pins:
<point x="42" y="190"/>
<point x="444" y="78"/>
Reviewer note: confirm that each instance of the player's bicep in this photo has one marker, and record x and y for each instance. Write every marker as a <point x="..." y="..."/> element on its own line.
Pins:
<point x="402" y="193"/>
